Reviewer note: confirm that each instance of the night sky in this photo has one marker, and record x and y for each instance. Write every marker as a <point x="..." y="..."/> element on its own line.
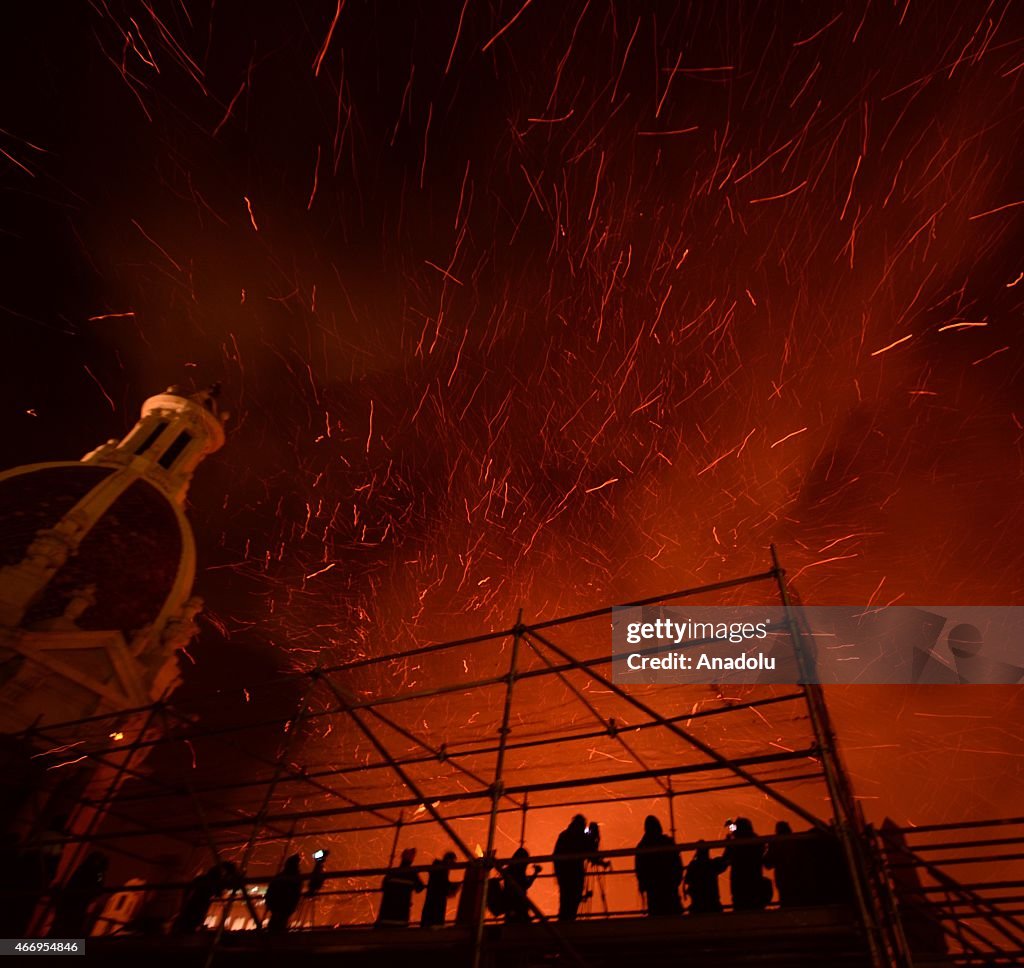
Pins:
<point x="543" y="305"/>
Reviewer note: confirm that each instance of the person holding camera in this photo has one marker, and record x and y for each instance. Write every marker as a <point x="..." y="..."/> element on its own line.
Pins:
<point x="751" y="890"/>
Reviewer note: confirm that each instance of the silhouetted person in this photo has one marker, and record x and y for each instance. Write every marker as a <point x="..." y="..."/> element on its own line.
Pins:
<point x="658" y="874"/>
<point x="283" y="895"/>
<point x="830" y="871"/>
<point x="570" y="871"/>
<point x="199" y="896"/>
<point x="751" y="890"/>
<point x="517" y="882"/>
<point x="793" y="865"/>
<point x="396" y="892"/>
<point x="702" y="881"/>
<point x="439" y="889"/>
<point x="71" y="918"/>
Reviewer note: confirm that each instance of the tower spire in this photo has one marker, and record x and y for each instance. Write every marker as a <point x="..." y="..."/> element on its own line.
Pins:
<point x="174" y="433"/>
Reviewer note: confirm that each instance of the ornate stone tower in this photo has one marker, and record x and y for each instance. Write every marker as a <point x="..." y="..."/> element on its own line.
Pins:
<point x="97" y="561"/>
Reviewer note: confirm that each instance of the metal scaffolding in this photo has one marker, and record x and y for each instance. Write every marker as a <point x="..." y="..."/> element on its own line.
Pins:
<point x="579" y="740"/>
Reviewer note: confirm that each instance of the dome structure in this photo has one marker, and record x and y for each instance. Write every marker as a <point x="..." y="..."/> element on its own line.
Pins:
<point x="97" y="561"/>
<point x="131" y="556"/>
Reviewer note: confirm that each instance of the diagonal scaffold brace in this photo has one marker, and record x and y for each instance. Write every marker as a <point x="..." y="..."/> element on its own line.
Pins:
<point x="463" y="847"/>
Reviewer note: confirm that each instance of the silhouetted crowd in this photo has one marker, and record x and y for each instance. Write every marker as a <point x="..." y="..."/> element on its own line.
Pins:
<point x="808" y="869"/>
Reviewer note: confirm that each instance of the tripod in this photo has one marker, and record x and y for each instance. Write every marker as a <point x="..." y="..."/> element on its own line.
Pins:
<point x="593" y="888"/>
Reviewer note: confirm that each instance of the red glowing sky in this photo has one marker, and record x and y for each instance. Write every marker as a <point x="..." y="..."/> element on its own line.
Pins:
<point x="547" y="306"/>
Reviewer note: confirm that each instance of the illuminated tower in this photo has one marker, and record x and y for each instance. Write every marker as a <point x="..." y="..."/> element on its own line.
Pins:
<point x="97" y="561"/>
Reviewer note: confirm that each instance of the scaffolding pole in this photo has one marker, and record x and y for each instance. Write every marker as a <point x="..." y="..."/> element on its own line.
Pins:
<point x="497" y="790"/>
<point x="884" y="934"/>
